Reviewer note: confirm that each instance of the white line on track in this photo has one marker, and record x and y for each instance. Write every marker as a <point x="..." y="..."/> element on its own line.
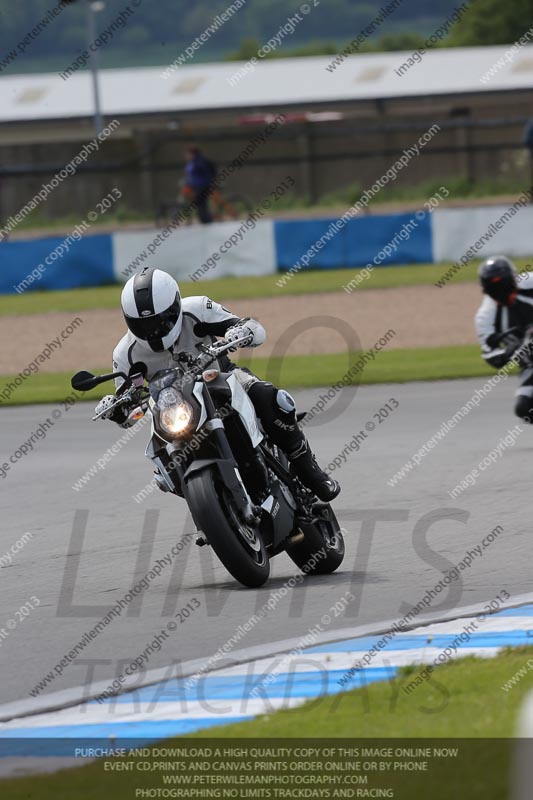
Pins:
<point x="74" y="696"/>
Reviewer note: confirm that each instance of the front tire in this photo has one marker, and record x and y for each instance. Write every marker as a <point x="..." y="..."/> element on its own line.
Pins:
<point x="238" y="546"/>
<point x="323" y="534"/>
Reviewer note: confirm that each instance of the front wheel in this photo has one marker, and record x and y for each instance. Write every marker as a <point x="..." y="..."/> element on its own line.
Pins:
<point x="322" y="549"/>
<point x="239" y="546"/>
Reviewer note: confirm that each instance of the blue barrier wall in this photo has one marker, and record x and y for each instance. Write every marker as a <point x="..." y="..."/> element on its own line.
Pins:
<point x="356" y="244"/>
<point x="88" y="262"/>
<point x="443" y="235"/>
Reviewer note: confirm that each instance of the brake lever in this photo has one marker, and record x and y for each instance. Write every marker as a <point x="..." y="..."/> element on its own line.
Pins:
<point x="233" y="346"/>
<point x="105" y="411"/>
<point x="210" y="353"/>
<point x="126" y="397"/>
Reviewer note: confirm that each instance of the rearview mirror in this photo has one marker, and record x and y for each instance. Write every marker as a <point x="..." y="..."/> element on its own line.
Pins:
<point x="85" y="381"/>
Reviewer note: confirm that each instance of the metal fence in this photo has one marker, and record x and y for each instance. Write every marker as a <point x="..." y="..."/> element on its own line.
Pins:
<point x="323" y="158"/>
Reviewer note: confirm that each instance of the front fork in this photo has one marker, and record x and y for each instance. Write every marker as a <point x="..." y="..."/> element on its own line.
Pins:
<point x="215" y="426"/>
<point x="175" y="473"/>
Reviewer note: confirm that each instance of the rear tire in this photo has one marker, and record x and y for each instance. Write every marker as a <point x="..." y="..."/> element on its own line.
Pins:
<point x="238" y="546"/>
<point x="325" y="533"/>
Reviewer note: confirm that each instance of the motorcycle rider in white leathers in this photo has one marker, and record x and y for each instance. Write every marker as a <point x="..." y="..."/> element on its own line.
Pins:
<point x="507" y="309"/>
<point x="161" y="325"/>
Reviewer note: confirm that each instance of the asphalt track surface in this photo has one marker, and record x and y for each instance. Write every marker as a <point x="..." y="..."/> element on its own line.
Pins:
<point x="420" y="533"/>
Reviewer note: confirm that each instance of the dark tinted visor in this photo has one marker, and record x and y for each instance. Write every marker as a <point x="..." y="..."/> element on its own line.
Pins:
<point x="156" y="326"/>
<point x="500" y="288"/>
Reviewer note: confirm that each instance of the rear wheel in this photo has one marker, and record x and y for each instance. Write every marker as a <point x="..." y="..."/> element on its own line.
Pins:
<point x="238" y="545"/>
<point x="321" y="551"/>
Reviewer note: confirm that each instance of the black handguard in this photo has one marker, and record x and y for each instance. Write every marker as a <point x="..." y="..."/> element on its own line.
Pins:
<point x="512" y="337"/>
<point x="510" y="340"/>
<point x="514" y="342"/>
<point x="120" y="415"/>
<point x="510" y="351"/>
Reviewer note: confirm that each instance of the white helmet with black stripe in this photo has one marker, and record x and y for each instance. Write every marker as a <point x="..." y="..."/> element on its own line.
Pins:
<point x="151" y="304"/>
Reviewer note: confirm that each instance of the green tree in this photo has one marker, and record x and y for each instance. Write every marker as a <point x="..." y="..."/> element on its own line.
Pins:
<point x="247" y="50"/>
<point x="493" y="22"/>
<point x="400" y="41"/>
<point x="313" y="49"/>
<point x="158" y="31"/>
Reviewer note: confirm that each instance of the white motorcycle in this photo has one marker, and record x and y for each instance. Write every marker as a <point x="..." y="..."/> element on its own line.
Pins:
<point x="208" y="447"/>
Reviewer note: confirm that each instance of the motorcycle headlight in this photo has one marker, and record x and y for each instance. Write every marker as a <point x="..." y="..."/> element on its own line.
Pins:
<point x="168" y="397"/>
<point x="177" y="418"/>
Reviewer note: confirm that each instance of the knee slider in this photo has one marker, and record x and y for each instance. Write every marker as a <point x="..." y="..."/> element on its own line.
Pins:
<point x="285" y="401"/>
<point x="276" y="409"/>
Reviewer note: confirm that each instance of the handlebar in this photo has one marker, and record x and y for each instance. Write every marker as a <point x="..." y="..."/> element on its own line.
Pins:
<point x="517" y="342"/>
<point x="495" y="339"/>
<point x="131" y="395"/>
<point x="223" y="348"/>
<point x="134" y="393"/>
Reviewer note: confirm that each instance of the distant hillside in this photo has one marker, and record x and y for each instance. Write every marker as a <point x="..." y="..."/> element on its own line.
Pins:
<point x="158" y="31"/>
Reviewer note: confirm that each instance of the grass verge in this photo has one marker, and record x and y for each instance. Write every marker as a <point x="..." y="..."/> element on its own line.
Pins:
<point x="463" y="699"/>
<point x="50" y="387"/>
<point x="393" y="366"/>
<point x="226" y="289"/>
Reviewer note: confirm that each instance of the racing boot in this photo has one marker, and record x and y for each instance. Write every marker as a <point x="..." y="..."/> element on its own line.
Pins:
<point x="277" y="411"/>
<point x="305" y="466"/>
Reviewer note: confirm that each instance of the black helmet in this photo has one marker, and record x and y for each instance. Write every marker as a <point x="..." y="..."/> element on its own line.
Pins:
<point x="497" y="276"/>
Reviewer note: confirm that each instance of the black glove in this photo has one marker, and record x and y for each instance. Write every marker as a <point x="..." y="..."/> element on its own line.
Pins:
<point x="511" y="341"/>
<point x="511" y="338"/>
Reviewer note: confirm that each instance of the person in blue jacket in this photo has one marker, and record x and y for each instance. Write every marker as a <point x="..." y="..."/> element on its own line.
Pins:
<point x="200" y="173"/>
